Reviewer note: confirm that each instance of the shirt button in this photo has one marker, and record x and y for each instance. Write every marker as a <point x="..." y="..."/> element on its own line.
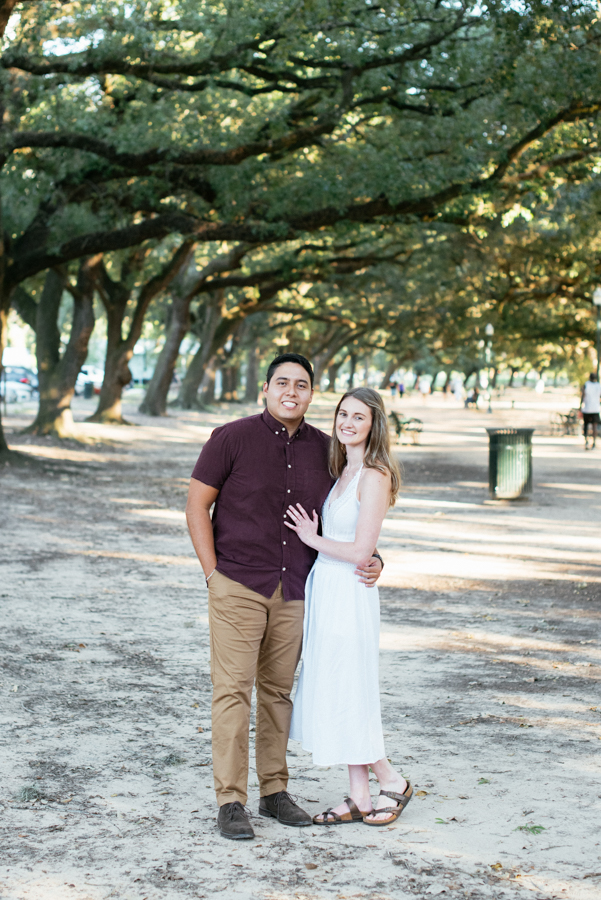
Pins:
<point x="283" y="542"/>
<point x="277" y="432"/>
<point x="289" y="466"/>
<point x="284" y="569"/>
<point x="288" y="491"/>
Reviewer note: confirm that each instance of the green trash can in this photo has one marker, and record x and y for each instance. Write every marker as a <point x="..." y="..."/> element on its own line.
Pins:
<point x="509" y="462"/>
<point x="88" y="390"/>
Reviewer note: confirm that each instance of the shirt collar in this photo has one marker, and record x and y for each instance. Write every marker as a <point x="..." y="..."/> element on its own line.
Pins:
<point x="280" y="429"/>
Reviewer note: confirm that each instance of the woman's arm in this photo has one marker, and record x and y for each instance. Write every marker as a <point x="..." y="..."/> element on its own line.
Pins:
<point x="374" y="497"/>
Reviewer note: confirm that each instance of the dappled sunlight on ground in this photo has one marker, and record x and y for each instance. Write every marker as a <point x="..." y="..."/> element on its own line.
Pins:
<point x="490" y="671"/>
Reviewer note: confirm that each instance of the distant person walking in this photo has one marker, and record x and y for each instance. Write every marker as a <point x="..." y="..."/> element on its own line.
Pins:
<point x="424" y="388"/>
<point x="401" y="390"/>
<point x="590" y="404"/>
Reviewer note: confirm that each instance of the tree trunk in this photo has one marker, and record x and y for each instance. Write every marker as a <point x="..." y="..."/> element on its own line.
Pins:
<point x="186" y="288"/>
<point x="207" y="387"/>
<point x="119" y="349"/>
<point x="57" y="374"/>
<point x="366" y="373"/>
<point x="388" y="374"/>
<point x="229" y="383"/>
<point x="435" y="379"/>
<point x="6" y="8"/>
<point x="4" y="307"/>
<point x="332" y="373"/>
<point x="155" y="401"/>
<point x="252" y="375"/>
<point x="352" y="370"/>
<point x="471" y="372"/>
<point x="116" y="363"/>
<point x="216" y="332"/>
<point x="333" y="341"/>
<point x="187" y="397"/>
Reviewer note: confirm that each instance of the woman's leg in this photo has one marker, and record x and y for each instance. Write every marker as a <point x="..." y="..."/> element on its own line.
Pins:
<point x="389" y="780"/>
<point x="358" y="791"/>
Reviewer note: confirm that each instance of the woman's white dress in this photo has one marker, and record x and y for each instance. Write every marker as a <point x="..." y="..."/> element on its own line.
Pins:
<point x="336" y="713"/>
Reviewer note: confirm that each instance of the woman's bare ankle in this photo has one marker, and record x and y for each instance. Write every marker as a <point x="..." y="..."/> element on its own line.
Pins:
<point x="361" y="801"/>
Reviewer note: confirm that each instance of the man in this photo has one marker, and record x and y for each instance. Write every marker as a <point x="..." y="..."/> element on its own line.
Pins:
<point x="256" y="568"/>
<point x="590" y="404"/>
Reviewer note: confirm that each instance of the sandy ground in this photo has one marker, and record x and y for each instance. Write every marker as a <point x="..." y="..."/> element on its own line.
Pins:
<point x="490" y="668"/>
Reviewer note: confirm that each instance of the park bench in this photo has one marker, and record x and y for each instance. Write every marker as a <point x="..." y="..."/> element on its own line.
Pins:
<point x="404" y="424"/>
<point x="565" y="423"/>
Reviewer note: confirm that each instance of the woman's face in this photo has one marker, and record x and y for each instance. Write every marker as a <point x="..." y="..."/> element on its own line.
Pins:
<point x="353" y="422"/>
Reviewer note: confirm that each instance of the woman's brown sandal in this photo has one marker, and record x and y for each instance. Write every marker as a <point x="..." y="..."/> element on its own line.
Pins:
<point x="329" y="817"/>
<point x="395" y="811"/>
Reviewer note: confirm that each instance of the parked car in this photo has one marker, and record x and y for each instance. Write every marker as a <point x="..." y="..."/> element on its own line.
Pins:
<point x="14" y="391"/>
<point x="22" y="375"/>
<point x="89" y="373"/>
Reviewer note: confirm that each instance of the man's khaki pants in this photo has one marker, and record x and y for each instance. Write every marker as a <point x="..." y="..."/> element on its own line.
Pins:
<point x="251" y="637"/>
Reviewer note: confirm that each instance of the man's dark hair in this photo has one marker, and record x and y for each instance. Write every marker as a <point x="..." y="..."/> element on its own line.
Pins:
<point x="592" y="376"/>
<point x="289" y="358"/>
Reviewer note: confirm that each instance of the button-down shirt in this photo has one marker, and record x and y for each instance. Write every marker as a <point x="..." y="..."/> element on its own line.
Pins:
<point x="259" y="469"/>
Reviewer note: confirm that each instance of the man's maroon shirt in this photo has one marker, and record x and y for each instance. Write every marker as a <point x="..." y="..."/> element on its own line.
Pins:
<point x="259" y="470"/>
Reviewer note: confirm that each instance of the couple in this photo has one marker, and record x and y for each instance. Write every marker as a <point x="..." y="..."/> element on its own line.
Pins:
<point x="267" y="475"/>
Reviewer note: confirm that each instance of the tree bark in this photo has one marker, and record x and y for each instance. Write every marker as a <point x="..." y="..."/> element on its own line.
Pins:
<point x="366" y="373"/>
<point x="392" y="365"/>
<point x="252" y="375"/>
<point x="207" y="386"/>
<point x="229" y="383"/>
<point x="119" y="349"/>
<point x="332" y="372"/>
<point x="352" y="370"/>
<point x="213" y="315"/>
<point x="155" y="400"/>
<point x="58" y="373"/>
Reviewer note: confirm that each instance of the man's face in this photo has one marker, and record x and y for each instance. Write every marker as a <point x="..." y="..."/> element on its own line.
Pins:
<point x="289" y="393"/>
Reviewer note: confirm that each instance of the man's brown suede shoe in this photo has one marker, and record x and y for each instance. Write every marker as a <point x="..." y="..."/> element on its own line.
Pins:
<point x="233" y="823"/>
<point x="282" y="807"/>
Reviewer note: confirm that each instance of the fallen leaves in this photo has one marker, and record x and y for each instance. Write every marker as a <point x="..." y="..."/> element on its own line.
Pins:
<point x="310" y="866"/>
<point x="421" y="794"/>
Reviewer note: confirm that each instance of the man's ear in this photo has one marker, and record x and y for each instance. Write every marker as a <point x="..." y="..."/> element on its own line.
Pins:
<point x="265" y="386"/>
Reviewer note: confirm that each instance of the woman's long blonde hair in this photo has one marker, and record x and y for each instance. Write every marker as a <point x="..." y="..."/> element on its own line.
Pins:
<point x="377" y="450"/>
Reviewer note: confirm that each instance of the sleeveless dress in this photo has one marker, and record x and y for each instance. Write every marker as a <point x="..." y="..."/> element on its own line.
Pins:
<point x="336" y="713"/>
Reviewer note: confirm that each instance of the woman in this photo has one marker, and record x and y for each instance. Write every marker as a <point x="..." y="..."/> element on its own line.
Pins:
<point x="336" y="711"/>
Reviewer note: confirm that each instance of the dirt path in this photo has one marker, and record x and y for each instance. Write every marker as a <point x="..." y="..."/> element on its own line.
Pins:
<point x="490" y="670"/>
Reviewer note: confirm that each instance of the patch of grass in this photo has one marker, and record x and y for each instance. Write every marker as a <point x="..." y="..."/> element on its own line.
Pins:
<point x="441" y="821"/>
<point x="173" y="759"/>
<point x="531" y="829"/>
<point x="30" y="792"/>
<point x="483" y="781"/>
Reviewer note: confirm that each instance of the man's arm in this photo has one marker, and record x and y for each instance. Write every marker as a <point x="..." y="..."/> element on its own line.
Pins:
<point x="198" y="514"/>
